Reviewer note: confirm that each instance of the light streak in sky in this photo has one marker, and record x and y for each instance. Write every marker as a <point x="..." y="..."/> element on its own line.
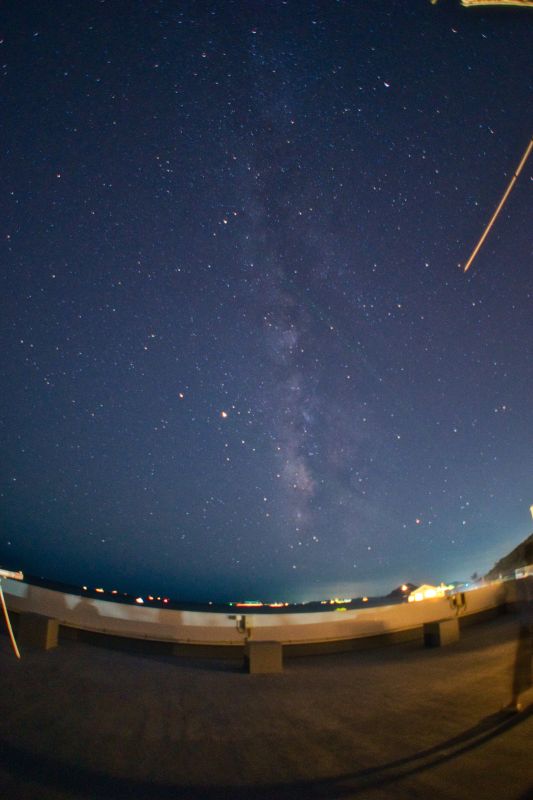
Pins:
<point x="500" y="206"/>
<point x="523" y="3"/>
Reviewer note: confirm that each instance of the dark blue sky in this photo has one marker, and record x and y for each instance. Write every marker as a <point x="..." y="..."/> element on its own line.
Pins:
<point x="239" y="356"/>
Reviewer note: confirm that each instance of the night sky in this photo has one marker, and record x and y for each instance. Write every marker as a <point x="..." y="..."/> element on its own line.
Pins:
<point x="239" y="355"/>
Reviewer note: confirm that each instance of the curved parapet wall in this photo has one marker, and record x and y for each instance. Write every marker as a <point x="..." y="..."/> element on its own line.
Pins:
<point x="204" y="628"/>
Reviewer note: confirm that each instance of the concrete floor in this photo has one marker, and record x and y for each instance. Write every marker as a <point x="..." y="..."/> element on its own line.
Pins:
<point x="395" y="722"/>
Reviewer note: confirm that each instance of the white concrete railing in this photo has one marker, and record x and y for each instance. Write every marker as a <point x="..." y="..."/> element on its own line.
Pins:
<point x="199" y="627"/>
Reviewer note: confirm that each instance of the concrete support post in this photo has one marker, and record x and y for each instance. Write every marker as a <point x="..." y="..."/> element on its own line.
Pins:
<point x="263" y="657"/>
<point x="441" y="632"/>
<point x="36" y="630"/>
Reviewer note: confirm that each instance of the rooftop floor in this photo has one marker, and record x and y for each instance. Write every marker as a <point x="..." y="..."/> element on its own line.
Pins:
<point x="402" y="721"/>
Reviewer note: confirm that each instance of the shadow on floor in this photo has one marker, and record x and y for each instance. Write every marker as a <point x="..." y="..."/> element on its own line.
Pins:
<point x="81" y="782"/>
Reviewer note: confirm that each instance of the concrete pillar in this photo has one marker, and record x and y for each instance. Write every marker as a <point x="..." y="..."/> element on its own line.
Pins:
<point x="441" y="632"/>
<point x="263" y="657"/>
<point x="36" y="630"/>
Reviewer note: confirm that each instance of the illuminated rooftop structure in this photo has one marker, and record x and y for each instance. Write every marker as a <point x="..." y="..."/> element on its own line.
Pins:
<point x="428" y="592"/>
